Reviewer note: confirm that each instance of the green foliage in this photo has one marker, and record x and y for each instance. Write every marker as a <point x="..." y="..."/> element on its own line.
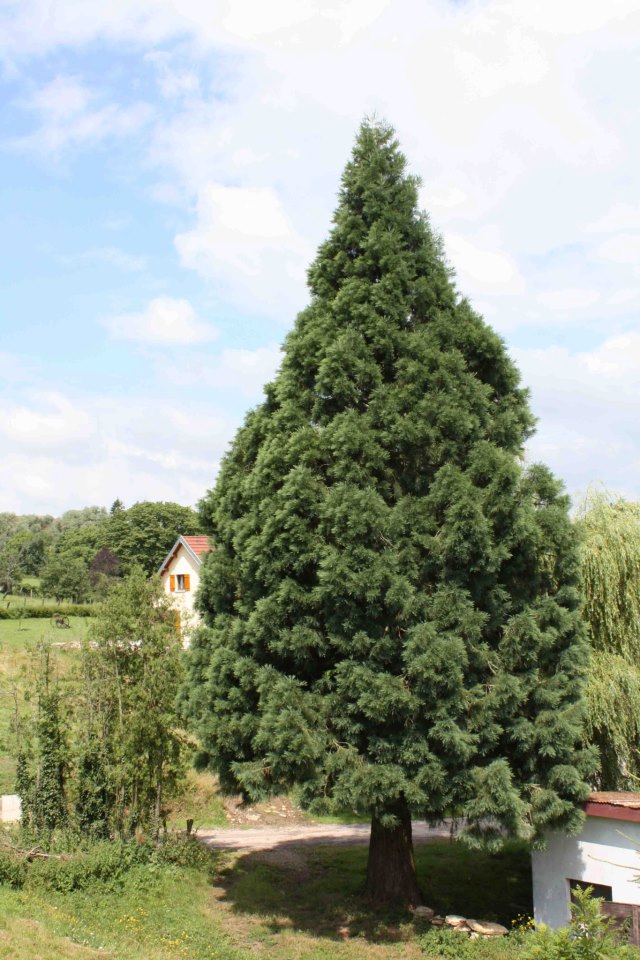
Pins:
<point x="452" y="945"/>
<point x="143" y="535"/>
<point x="41" y="776"/>
<point x="13" y="869"/>
<point x="104" y="865"/>
<point x="130" y="754"/>
<point x="66" y="577"/>
<point x="589" y="936"/>
<point x="392" y="605"/>
<point x="610" y="529"/>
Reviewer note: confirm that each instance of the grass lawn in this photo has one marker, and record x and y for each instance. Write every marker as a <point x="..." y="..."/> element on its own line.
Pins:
<point x="296" y="903"/>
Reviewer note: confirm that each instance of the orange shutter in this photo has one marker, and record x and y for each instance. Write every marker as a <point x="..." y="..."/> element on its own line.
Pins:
<point x="172" y="583"/>
<point x="187" y="581"/>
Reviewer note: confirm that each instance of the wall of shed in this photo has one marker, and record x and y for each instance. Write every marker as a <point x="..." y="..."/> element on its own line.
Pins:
<point x="607" y="852"/>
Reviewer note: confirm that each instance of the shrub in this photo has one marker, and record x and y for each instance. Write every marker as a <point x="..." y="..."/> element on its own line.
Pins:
<point x="13" y="870"/>
<point x="453" y="945"/>
<point x="589" y="936"/>
<point x="107" y="863"/>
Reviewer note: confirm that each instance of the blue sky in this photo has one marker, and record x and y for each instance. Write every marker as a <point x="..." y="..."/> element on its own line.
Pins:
<point x="167" y="172"/>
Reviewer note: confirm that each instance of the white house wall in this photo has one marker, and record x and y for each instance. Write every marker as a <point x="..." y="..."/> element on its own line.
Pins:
<point x="183" y="563"/>
<point x="606" y="852"/>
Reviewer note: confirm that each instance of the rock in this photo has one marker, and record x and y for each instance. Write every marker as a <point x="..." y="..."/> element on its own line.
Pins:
<point x="474" y="936"/>
<point x="425" y="913"/>
<point x="438" y="922"/>
<point x="486" y="928"/>
<point x="254" y="816"/>
<point x="453" y="920"/>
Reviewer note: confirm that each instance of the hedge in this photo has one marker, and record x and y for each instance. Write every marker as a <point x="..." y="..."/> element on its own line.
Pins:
<point x="19" y="611"/>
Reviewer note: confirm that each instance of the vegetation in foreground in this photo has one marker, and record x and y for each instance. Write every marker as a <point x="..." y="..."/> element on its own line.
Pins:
<point x="132" y="901"/>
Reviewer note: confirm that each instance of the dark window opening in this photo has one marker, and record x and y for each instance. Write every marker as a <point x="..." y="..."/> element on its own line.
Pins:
<point x="598" y="890"/>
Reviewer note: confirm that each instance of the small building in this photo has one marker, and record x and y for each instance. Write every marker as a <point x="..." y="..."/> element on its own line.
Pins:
<point x="10" y="808"/>
<point x="605" y="856"/>
<point x="180" y="576"/>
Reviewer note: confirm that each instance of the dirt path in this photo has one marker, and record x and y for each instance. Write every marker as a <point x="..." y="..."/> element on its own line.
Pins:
<point x="266" y="838"/>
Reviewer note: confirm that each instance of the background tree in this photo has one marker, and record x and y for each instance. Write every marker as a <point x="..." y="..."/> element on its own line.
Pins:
<point x="11" y="569"/>
<point x="65" y="577"/>
<point x="143" y="534"/>
<point x="610" y="529"/>
<point x="130" y="750"/>
<point x="103" y="569"/>
<point x="392" y="603"/>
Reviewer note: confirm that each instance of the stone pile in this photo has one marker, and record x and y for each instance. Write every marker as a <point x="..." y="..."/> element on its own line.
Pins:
<point x="473" y="928"/>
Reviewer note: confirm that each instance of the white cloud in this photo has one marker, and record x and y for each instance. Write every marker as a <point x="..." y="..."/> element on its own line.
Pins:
<point x="113" y="256"/>
<point x="71" y="115"/>
<point x="481" y="268"/>
<point x="54" y="421"/>
<point x="587" y="403"/>
<point x="573" y="298"/>
<point x="244" y="240"/>
<point x="622" y="248"/>
<point x="237" y="372"/>
<point x="165" y="321"/>
<point x="135" y="447"/>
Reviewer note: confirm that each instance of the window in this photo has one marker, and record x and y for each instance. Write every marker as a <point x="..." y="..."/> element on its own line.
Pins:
<point x="598" y="889"/>
<point x="180" y="583"/>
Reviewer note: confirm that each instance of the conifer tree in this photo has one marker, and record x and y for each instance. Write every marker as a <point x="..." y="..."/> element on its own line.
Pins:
<point x="393" y="618"/>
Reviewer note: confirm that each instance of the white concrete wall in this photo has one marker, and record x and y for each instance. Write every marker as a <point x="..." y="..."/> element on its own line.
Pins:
<point x="10" y="808"/>
<point x="183" y="563"/>
<point x="607" y="852"/>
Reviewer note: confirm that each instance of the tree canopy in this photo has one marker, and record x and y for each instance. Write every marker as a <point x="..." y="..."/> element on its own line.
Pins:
<point x="610" y="528"/>
<point x="392" y="605"/>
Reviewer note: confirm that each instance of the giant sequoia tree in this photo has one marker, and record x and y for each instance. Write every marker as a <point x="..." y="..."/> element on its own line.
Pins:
<point x="392" y="609"/>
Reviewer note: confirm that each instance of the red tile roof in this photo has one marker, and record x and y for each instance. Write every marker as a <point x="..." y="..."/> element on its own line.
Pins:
<point x="199" y="545"/>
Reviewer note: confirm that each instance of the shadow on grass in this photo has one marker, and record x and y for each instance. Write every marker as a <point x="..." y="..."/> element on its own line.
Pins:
<point x="318" y="888"/>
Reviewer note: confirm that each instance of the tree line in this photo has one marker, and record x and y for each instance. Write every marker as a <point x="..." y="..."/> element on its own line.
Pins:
<point x="78" y="555"/>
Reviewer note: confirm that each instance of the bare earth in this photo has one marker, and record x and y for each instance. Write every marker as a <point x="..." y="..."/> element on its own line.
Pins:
<point x="268" y="838"/>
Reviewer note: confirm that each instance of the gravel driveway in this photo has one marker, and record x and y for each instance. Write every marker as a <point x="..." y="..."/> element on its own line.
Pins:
<point x="266" y="838"/>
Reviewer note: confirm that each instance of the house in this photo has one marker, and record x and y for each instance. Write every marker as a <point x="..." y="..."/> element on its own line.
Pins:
<point x="180" y="576"/>
<point x="605" y="855"/>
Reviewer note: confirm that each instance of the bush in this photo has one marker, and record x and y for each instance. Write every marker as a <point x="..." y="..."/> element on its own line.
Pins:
<point x="107" y="863"/>
<point x="13" y="870"/>
<point x="453" y="945"/>
<point x="183" y="852"/>
<point x="589" y="936"/>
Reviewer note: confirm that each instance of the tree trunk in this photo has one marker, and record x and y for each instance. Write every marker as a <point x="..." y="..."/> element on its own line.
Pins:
<point x="391" y="867"/>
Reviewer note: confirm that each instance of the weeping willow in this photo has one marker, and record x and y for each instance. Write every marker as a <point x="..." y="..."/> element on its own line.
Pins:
<point x="611" y="609"/>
